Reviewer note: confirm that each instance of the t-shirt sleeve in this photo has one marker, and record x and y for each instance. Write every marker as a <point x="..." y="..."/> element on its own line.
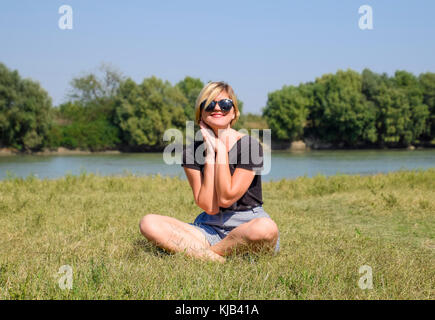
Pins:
<point x="188" y="158"/>
<point x="252" y="158"/>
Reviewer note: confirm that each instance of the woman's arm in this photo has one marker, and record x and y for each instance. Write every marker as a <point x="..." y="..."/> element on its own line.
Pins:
<point x="203" y="187"/>
<point x="229" y="188"/>
<point x="207" y="197"/>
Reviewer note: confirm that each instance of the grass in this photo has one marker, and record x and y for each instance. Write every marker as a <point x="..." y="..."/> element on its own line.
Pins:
<point x="329" y="228"/>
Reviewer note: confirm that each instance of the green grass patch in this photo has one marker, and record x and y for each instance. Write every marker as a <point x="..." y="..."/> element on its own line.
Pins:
<point x="329" y="228"/>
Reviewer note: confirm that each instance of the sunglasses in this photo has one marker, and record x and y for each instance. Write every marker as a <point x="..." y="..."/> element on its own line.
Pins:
<point x="224" y="104"/>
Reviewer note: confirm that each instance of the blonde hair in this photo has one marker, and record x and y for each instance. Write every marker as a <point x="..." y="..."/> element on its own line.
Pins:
<point x="210" y="91"/>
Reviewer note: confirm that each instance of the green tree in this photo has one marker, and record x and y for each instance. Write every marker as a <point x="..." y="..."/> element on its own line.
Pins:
<point x="427" y="83"/>
<point x="241" y="121"/>
<point x="340" y="113"/>
<point x="190" y="87"/>
<point x="84" y="126"/>
<point x="96" y="135"/>
<point x="286" y="111"/>
<point x="401" y="114"/>
<point x="418" y="112"/>
<point x="87" y="121"/>
<point x="97" y="86"/>
<point x="145" y="111"/>
<point x="24" y="111"/>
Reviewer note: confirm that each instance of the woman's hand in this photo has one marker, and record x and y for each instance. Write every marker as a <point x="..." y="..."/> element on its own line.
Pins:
<point x="209" y="139"/>
<point x="226" y="138"/>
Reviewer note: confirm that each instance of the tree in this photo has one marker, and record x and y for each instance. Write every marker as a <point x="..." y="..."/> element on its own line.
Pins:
<point x="87" y="121"/>
<point x="190" y="87"/>
<point x="25" y="115"/>
<point x="340" y="113"/>
<point x="145" y="111"/>
<point x="92" y="87"/>
<point x="427" y="83"/>
<point x="83" y="126"/>
<point x="286" y="111"/>
<point x="417" y="112"/>
<point x="401" y="115"/>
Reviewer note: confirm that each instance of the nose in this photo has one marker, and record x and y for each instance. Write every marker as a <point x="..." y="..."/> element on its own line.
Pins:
<point x="217" y="107"/>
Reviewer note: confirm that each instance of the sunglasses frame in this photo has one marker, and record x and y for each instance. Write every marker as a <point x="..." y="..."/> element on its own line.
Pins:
<point x="213" y="103"/>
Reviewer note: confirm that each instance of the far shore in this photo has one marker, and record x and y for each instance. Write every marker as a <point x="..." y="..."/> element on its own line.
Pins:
<point x="58" y="151"/>
<point x="296" y="146"/>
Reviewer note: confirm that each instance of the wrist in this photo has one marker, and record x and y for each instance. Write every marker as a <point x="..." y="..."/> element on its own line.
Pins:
<point x="220" y="146"/>
<point x="210" y="157"/>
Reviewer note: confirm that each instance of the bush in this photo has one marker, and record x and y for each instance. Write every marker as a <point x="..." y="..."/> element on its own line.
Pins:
<point x="24" y="111"/>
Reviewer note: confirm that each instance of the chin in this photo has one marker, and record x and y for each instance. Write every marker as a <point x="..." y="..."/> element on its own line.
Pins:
<point x="219" y="122"/>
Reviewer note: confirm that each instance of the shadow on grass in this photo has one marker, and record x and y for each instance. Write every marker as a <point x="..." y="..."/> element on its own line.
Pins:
<point x="143" y="245"/>
<point x="148" y="247"/>
<point x="250" y="256"/>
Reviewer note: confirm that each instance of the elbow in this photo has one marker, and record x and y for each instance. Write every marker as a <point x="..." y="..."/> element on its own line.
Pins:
<point x="225" y="203"/>
<point x="212" y="211"/>
<point x="207" y="208"/>
<point x="225" y="198"/>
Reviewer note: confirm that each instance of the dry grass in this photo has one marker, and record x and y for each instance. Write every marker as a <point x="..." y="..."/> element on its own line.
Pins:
<point x="329" y="227"/>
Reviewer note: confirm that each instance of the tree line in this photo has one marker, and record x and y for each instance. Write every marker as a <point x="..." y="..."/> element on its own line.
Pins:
<point x="349" y="109"/>
<point x="105" y="110"/>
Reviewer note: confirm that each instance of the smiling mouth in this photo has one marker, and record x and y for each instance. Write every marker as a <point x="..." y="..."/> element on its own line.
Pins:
<point x="217" y="115"/>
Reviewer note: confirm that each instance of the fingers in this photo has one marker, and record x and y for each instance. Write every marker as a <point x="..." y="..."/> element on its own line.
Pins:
<point x="206" y="131"/>
<point x="205" y="135"/>
<point x="208" y="136"/>
<point x="205" y="126"/>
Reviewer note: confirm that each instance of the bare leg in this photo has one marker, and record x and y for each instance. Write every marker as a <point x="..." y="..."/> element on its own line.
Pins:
<point x="176" y="236"/>
<point x="256" y="235"/>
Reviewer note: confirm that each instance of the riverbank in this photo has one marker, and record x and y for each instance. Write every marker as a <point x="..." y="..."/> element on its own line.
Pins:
<point x="59" y="151"/>
<point x="295" y="146"/>
<point x="311" y="144"/>
<point x="329" y="228"/>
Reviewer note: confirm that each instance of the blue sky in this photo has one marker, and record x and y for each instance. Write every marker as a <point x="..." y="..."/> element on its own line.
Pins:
<point x="255" y="46"/>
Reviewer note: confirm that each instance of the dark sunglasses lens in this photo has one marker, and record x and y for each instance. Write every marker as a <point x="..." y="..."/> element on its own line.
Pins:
<point x="211" y="106"/>
<point x="225" y="105"/>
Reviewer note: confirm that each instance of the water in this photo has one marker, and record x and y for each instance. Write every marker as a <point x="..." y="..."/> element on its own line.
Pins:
<point x="283" y="164"/>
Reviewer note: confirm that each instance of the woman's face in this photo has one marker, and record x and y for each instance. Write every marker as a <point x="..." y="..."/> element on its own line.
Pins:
<point x="217" y="118"/>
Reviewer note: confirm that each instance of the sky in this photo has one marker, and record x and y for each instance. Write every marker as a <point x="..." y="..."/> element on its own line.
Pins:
<point x="255" y="46"/>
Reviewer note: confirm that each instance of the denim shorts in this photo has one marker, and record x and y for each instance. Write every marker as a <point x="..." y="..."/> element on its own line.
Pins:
<point x="216" y="227"/>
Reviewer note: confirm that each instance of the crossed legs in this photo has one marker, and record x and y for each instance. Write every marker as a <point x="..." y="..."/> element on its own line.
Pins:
<point x="176" y="236"/>
<point x="259" y="234"/>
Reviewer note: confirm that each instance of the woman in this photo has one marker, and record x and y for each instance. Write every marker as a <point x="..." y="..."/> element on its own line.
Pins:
<point x="225" y="185"/>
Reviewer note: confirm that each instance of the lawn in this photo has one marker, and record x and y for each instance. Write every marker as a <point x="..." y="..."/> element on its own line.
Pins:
<point x="329" y="228"/>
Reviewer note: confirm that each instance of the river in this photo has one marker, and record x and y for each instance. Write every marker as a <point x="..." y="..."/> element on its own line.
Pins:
<point x="283" y="164"/>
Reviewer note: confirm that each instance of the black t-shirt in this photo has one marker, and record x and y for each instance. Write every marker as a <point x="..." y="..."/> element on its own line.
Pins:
<point x="246" y="153"/>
